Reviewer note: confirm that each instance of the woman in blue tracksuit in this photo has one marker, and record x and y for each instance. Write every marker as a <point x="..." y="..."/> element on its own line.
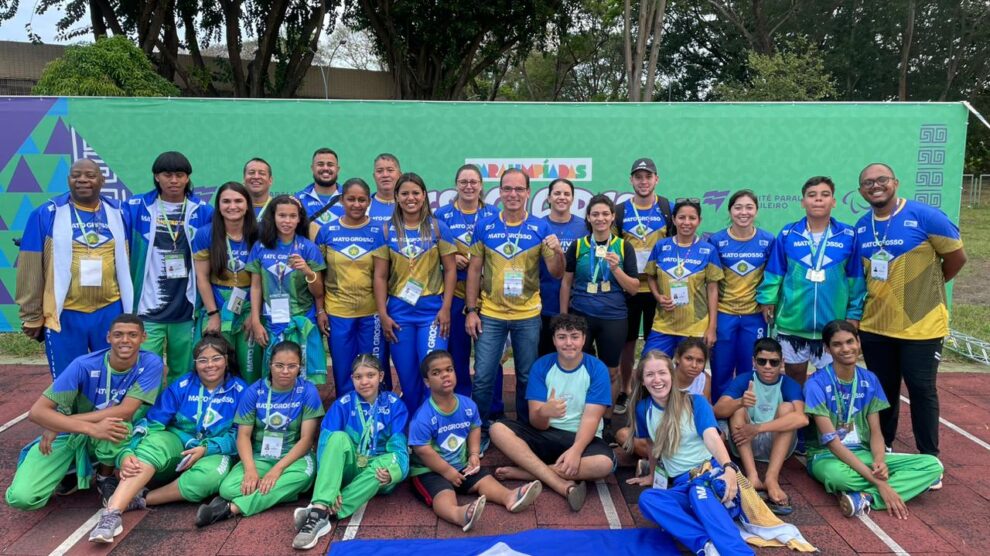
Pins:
<point x="568" y="229"/>
<point x="188" y="435"/>
<point x="415" y="276"/>
<point x="743" y="250"/>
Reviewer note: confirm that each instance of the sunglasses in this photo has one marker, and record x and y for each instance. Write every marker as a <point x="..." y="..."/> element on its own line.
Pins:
<point x="763" y="361"/>
<point x="694" y="200"/>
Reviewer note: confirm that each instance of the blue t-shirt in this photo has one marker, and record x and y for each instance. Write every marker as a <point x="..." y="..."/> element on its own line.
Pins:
<point x="692" y="450"/>
<point x="82" y="386"/>
<point x="742" y="263"/>
<point x="768" y="396"/>
<point x="237" y="257"/>
<point x="389" y="433"/>
<point x="446" y="433"/>
<point x="313" y="202"/>
<point x="567" y="232"/>
<point x="588" y="383"/>
<point x="380" y="212"/>
<point x="277" y="277"/>
<point x="822" y="394"/>
<point x="197" y="416"/>
<point x="462" y="225"/>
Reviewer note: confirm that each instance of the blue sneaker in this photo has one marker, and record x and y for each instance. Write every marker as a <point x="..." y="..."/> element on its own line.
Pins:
<point x="799" y="449"/>
<point x="486" y="442"/>
<point x="937" y="485"/>
<point x="855" y="503"/>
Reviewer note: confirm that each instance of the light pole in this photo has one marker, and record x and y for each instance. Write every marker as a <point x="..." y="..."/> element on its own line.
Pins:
<point x="326" y="90"/>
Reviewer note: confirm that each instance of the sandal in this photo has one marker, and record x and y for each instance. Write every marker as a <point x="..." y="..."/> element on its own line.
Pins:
<point x="473" y="512"/>
<point x="783" y="508"/>
<point x="525" y="496"/>
<point x="576" y="495"/>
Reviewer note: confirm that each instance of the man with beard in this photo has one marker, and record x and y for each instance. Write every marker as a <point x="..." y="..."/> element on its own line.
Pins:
<point x="909" y="251"/>
<point x="319" y="198"/>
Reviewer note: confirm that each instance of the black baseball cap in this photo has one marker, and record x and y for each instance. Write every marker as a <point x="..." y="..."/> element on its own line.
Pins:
<point x="643" y="164"/>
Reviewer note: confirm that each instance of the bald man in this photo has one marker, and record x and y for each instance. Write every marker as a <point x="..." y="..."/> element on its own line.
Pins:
<point x="73" y="276"/>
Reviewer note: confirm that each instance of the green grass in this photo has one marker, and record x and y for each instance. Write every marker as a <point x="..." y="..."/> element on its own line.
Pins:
<point x="972" y="316"/>
<point x="15" y="344"/>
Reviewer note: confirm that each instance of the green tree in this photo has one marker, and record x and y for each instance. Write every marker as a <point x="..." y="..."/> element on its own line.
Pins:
<point x="795" y="72"/>
<point x="112" y="67"/>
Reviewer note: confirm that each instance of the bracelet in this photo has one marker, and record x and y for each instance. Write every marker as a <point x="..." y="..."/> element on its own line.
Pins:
<point x="828" y="437"/>
<point x="315" y="276"/>
<point x="213" y="312"/>
<point x="475" y="454"/>
<point x="731" y="465"/>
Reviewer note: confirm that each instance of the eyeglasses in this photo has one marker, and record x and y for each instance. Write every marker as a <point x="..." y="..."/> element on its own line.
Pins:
<point x="694" y="200"/>
<point x="763" y="362"/>
<point x="216" y="359"/>
<point x="881" y="181"/>
<point x="466" y="183"/>
<point x="282" y="367"/>
<point x="514" y="189"/>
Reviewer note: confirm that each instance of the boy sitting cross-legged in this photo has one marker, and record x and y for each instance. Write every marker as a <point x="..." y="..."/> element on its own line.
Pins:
<point x="445" y="436"/>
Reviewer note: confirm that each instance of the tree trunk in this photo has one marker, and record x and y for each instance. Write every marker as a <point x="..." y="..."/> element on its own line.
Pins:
<point x="96" y="20"/>
<point x="633" y="91"/>
<point x="301" y="58"/>
<point x="202" y="81"/>
<point x="232" y="24"/>
<point x="267" y="38"/>
<point x="906" y="38"/>
<point x="651" y="67"/>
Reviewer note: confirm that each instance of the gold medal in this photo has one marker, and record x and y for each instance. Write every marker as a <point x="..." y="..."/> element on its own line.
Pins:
<point x="362" y="461"/>
<point x="678" y="271"/>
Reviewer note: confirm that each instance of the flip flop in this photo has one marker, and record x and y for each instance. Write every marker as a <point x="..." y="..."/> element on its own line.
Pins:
<point x="576" y="495"/>
<point x="778" y="508"/>
<point x="473" y="512"/>
<point x="525" y="496"/>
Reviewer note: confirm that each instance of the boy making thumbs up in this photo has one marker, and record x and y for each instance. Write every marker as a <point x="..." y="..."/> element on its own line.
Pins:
<point x="764" y="410"/>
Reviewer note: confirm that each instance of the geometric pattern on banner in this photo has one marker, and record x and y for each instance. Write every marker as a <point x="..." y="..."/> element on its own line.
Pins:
<point x="5" y="298"/>
<point x="59" y="182"/>
<point x="112" y="186"/>
<point x="23" y="180"/>
<point x="28" y="147"/>
<point x="60" y="141"/>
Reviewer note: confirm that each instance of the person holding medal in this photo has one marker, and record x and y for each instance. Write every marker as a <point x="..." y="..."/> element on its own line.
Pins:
<point x="220" y="254"/>
<point x="461" y="216"/>
<point x="846" y="451"/>
<point x="362" y="452"/>
<point x="599" y="273"/>
<point x="683" y="274"/>
<point x="189" y="432"/>
<point x="163" y="224"/>
<point x="813" y="276"/>
<point x="276" y="424"/>
<point x="286" y="287"/>
<point x="415" y="277"/>
<point x="909" y="251"/>
<point x="86" y="416"/>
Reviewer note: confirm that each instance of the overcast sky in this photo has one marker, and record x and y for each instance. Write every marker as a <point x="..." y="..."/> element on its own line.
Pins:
<point x="43" y="25"/>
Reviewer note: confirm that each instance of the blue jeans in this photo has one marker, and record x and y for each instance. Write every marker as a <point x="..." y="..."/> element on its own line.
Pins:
<point x="525" y="336"/>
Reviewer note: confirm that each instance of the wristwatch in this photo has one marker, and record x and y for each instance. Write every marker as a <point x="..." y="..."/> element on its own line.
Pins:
<point x="469" y="310"/>
<point x="731" y="465"/>
<point x="213" y="312"/>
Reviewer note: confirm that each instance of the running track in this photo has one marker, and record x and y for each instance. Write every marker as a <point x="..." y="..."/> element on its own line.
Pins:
<point x="953" y="521"/>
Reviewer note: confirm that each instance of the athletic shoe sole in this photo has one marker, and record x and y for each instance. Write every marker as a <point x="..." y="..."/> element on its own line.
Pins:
<point x="322" y="532"/>
<point x="107" y="540"/>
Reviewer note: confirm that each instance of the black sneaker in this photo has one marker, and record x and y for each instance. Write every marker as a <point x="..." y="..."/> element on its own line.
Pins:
<point x="106" y="486"/>
<point x="68" y="485"/>
<point x="609" y="437"/>
<point x="620" y="404"/>
<point x="486" y="442"/>
<point x="217" y="510"/>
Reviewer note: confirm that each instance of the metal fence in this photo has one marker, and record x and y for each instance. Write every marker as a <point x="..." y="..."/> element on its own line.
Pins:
<point x="972" y="188"/>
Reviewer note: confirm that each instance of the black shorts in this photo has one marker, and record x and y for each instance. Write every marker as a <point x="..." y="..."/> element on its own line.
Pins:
<point x="427" y="486"/>
<point x="605" y="339"/>
<point x="549" y="444"/>
<point x="642" y="307"/>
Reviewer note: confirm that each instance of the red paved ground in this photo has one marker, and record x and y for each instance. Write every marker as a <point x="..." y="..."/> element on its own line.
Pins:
<point x="951" y="521"/>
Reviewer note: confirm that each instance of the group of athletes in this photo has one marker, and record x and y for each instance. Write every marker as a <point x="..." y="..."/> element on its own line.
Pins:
<point x="242" y="298"/>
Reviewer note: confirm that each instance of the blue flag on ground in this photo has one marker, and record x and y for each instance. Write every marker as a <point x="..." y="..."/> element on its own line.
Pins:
<point x="535" y="542"/>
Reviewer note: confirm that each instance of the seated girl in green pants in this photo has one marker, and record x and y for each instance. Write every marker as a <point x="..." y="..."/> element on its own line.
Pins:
<point x="277" y="420"/>
<point x="362" y="452"/>
<point x="847" y="454"/>
<point x="190" y="430"/>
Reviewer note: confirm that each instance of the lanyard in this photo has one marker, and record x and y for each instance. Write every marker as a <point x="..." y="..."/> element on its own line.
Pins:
<point x="840" y="405"/>
<point x="515" y="245"/>
<point x="639" y="219"/>
<point x="174" y="234"/>
<point x="369" y="428"/>
<point x="232" y="258"/>
<point x="468" y="226"/>
<point x="818" y="256"/>
<point x="82" y="226"/>
<point x="595" y="264"/>
<point x="106" y="364"/>
<point x="268" y="404"/>
<point x="687" y="256"/>
<point x="199" y="406"/>
<point x="882" y="243"/>
<point x="263" y="207"/>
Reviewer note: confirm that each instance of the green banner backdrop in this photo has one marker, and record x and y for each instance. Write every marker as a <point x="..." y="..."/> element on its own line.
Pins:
<point x="701" y="150"/>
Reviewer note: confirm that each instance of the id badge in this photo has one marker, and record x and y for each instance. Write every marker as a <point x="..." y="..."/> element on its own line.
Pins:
<point x="91" y="272"/>
<point x="175" y="266"/>
<point x="642" y="257"/>
<point x="660" y="477"/>
<point x="679" y="293"/>
<point x="412" y="291"/>
<point x="852" y="437"/>
<point x="513" y="283"/>
<point x="879" y="263"/>
<point x="592" y="287"/>
<point x="816" y="276"/>
<point x="600" y="251"/>
<point x="281" y="314"/>
<point x="605" y="286"/>
<point x="271" y="445"/>
<point x="236" y="301"/>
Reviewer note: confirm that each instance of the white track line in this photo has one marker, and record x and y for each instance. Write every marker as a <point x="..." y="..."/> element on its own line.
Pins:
<point x="955" y="427"/>
<point x="354" y="523"/>
<point x="72" y="539"/>
<point x="13" y="421"/>
<point x="882" y="535"/>
<point x="608" y="505"/>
